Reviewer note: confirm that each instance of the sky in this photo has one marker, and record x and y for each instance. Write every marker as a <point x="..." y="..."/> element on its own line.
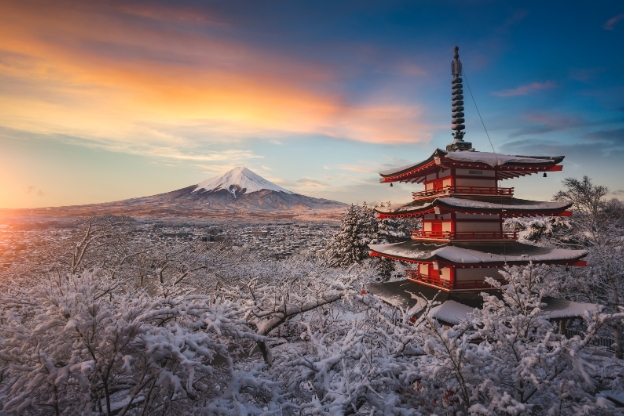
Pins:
<point x="108" y="100"/>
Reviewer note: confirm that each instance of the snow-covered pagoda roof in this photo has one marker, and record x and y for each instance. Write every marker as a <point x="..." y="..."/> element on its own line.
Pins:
<point x="508" y="166"/>
<point x="455" y="307"/>
<point x="507" y="207"/>
<point x="475" y="254"/>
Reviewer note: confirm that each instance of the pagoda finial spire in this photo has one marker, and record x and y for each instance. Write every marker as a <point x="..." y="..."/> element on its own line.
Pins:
<point x="457" y="107"/>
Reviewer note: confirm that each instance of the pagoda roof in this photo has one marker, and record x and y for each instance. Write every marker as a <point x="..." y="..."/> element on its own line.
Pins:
<point x="507" y="206"/>
<point x="476" y="254"/>
<point x="455" y="307"/>
<point x="509" y="165"/>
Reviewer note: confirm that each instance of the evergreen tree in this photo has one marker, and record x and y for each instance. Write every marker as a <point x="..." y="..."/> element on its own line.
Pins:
<point x="393" y="230"/>
<point x="358" y="229"/>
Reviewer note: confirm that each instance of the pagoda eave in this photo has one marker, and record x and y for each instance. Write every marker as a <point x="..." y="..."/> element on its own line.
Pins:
<point x="505" y="207"/>
<point x="491" y="265"/>
<point x="476" y="255"/>
<point x="504" y="213"/>
<point x="507" y="167"/>
<point x="451" y="307"/>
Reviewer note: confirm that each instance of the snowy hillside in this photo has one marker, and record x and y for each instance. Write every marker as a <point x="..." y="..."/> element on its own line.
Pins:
<point x="239" y="179"/>
<point x="238" y="193"/>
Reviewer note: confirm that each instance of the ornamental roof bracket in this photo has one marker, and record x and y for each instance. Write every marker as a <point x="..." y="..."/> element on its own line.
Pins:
<point x="457" y="109"/>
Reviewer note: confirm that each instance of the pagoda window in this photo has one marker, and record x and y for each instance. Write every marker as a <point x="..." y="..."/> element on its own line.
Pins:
<point x="424" y="269"/>
<point x="444" y="173"/>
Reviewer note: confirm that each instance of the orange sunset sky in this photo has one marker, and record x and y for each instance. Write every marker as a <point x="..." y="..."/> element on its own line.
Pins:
<point x="104" y="101"/>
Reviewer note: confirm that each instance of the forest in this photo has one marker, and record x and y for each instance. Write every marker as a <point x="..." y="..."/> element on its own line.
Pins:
<point x="111" y="323"/>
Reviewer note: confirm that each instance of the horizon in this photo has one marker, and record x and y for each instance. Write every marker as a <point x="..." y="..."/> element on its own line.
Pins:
<point x="112" y="101"/>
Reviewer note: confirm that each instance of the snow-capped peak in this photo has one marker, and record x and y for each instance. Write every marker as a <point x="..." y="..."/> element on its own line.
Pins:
<point x="238" y="179"/>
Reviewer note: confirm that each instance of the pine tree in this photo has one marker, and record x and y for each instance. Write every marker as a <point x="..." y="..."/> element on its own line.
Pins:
<point x="358" y="229"/>
<point x="393" y="230"/>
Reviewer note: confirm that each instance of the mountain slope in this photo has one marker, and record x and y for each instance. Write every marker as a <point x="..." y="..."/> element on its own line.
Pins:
<point x="238" y="179"/>
<point x="238" y="193"/>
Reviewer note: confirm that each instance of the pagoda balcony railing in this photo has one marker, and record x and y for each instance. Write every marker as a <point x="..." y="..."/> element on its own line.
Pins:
<point x="465" y="236"/>
<point x="416" y="276"/>
<point x="467" y="190"/>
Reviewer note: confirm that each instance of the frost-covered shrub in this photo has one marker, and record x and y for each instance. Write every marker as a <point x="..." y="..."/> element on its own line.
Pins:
<point x="362" y="364"/>
<point x="507" y="358"/>
<point x="78" y="345"/>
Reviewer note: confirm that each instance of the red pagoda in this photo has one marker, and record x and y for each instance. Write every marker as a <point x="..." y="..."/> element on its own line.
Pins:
<point x="462" y="209"/>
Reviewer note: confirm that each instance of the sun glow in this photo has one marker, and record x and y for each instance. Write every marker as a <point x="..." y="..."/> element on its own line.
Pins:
<point x="103" y="74"/>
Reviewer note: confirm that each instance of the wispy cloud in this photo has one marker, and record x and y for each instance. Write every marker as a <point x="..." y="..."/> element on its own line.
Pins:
<point x="610" y="24"/>
<point x="525" y="89"/>
<point x="312" y="183"/>
<point x="548" y="122"/>
<point x="100" y="70"/>
<point x="371" y="166"/>
<point x="540" y="123"/>
<point x="614" y="136"/>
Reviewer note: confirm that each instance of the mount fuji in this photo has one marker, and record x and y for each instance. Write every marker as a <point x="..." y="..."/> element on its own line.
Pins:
<point x="238" y="181"/>
<point x="237" y="193"/>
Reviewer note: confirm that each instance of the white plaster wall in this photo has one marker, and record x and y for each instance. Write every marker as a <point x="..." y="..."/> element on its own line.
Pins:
<point x="475" y="182"/>
<point x="476" y="274"/>
<point x="462" y="227"/>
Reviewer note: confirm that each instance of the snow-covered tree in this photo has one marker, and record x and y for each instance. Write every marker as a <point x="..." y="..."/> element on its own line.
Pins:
<point x="508" y="358"/>
<point x="364" y="363"/>
<point x="78" y="345"/>
<point x="393" y="230"/>
<point x="600" y="223"/>
<point x="277" y="292"/>
<point x="546" y="232"/>
<point x="358" y="229"/>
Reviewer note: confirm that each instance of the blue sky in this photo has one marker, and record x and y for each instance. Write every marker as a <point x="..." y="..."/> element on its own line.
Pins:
<point x="107" y="101"/>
